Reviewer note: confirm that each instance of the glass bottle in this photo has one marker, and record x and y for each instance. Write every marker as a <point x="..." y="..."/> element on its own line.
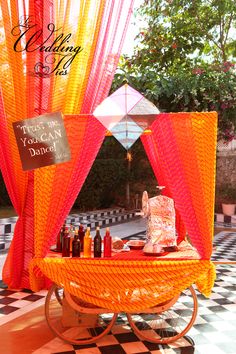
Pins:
<point x="87" y="244"/>
<point x="66" y="244"/>
<point x="81" y="237"/>
<point x="59" y="237"/>
<point x="63" y="228"/>
<point x="71" y="233"/>
<point x="107" y="243"/>
<point x="76" y="245"/>
<point x="97" y="243"/>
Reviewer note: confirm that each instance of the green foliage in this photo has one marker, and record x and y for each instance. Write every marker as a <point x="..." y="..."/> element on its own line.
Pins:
<point x="225" y="194"/>
<point x="185" y="33"/>
<point x="4" y="197"/>
<point x="209" y="88"/>
<point x="183" y="59"/>
<point x="102" y="184"/>
<point x="141" y="176"/>
<point x="106" y="183"/>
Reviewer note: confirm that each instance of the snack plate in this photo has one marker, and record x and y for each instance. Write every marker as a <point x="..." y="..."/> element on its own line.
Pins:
<point x="125" y="248"/>
<point x="154" y="254"/>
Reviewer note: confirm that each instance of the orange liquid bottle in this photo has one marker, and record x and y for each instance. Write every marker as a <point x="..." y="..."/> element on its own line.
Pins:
<point x="87" y="244"/>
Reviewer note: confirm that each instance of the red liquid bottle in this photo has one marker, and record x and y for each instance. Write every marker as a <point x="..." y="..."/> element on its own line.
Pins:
<point x="97" y="251"/>
<point x="66" y="244"/>
<point x="81" y="237"/>
<point x="107" y="243"/>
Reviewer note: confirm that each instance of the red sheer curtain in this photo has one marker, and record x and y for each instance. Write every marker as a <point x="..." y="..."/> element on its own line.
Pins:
<point x="6" y="163"/>
<point x="152" y="154"/>
<point x="16" y="186"/>
<point x="85" y="136"/>
<point x="183" y="152"/>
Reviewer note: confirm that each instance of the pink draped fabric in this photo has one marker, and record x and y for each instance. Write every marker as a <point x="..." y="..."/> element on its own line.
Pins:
<point x="78" y="170"/>
<point x="17" y="198"/>
<point x="111" y="38"/>
<point x="182" y="150"/>
<point x="6" y="163"/>
<point x="152" y="154"/>
<point x="86" y="85"/>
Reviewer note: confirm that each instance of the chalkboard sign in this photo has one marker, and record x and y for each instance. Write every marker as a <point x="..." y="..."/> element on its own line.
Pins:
<point x="42" y="141"/>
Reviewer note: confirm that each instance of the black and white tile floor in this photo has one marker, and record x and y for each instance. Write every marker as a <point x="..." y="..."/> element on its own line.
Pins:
<point x="90" y="219"/>
<point x="214" y="330"/>
<point x="96" y="218"/>
<point x="16" y="303"/>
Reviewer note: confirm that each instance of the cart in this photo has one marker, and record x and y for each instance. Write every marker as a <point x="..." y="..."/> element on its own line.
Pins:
<point x="88" y="296"/>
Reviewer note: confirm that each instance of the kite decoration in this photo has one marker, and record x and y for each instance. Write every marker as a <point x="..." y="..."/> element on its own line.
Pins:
<point x="126" y="114"/>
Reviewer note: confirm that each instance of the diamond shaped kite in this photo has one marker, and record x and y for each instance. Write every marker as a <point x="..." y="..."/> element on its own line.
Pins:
<point x="126" y="114"/>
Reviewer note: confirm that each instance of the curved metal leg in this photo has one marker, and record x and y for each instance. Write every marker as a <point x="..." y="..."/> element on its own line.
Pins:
<point x="169" y="325"/>
<point x="71" y="325"/>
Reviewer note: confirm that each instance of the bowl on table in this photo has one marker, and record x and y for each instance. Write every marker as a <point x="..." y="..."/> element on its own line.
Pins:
<point x="136" y="244"/>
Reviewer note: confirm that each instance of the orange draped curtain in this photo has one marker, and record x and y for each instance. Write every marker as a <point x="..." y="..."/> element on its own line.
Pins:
<point x="182" y="151"/>
<point x="43" y="197"/>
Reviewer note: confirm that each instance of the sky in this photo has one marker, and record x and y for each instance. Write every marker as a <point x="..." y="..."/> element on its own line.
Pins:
<point x="132" y="31"/>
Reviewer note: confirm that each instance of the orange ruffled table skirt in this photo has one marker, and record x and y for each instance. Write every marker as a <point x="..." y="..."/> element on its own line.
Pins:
<point x="128" y="281"/>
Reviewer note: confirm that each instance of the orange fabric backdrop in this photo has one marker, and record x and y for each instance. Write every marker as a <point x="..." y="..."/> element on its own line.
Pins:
<point x="98" y="27"/>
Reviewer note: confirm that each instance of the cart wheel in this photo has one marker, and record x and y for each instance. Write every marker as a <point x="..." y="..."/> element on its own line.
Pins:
<point x="73" y="326"/>
<point x="59" y="293"/>
<point x="170" y="325"/>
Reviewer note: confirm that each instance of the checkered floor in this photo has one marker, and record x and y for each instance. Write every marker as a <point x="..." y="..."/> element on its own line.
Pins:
<point x="16" y="303"/>
<point x="225" y="243"/>
<point x="10" y="301"/>
<point x="92" y="219"/>
<point x="214" y="330"/>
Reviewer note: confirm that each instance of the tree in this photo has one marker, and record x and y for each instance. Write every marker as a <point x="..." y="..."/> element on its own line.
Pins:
<point x="185" y="33"/>
<point x="184" y="58"/>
